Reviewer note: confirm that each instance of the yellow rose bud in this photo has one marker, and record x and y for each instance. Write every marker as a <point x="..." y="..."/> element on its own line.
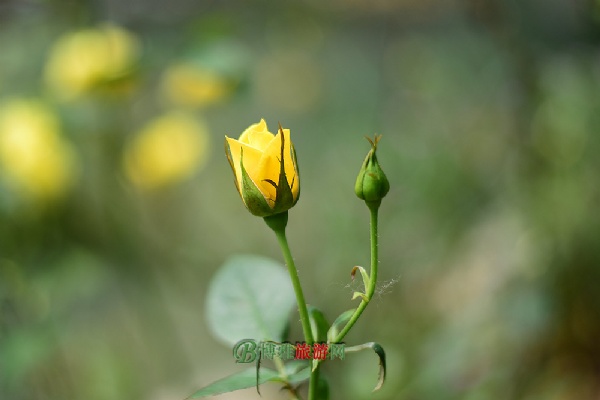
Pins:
<point x="265" y="169"/>
<point x="372" y="184"/>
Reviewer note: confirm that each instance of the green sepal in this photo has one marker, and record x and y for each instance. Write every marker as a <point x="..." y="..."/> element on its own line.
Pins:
<point x="296" y="168"/>
<point x="284" y="198"/>
<point x="380" y="353"/>
<point x="277" y="222"/>
<point x="230" y="160"/>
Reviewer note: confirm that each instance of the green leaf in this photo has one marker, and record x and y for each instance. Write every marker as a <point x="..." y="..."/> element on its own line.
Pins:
<point x="365" y="276"/>
<point x="318" y="324"/>
<point x="380" y="352"/>
<point x="319" y="327"/>
<point x="361" y="295"/>
<point x="338" y="324"/>
<point x="296" y="371"/>
<point x="249" y="297"/>
<point x="240" y="380"/>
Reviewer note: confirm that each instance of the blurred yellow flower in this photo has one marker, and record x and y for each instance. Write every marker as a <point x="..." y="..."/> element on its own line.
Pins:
<point x="33" y="156"/>
<point x="187" y="84"/>
<point x="168" y="150"/>
<point x="81" y="60"/>
<point x="265" y="169"/>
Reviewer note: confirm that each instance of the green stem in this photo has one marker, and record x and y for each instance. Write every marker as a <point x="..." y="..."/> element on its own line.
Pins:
<point x="313" y="383"/>
<point x="302" y="309"/>
<point x="373" y="208"/>
<point x="277" y="223"/>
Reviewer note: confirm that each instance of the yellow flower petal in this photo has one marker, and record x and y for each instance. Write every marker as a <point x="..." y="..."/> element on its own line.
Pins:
<point x="268" y="171"/>
<point x="270" y="165"/>
<point x="257" y="135"/>
<point x="260" y="140"/>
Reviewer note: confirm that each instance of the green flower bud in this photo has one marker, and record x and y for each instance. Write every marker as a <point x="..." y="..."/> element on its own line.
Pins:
<point x="372" y="184"/>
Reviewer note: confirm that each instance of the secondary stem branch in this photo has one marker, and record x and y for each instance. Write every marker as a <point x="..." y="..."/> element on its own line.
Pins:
<point x="373" y="208"/>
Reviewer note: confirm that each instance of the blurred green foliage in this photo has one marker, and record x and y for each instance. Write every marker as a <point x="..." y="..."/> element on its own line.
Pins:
<point x="117" y="204"/>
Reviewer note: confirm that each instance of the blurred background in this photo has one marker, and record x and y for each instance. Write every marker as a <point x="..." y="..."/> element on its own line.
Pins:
<point x="117" y="204"/>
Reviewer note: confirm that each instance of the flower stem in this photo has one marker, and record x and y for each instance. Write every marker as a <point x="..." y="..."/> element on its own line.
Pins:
<point x="370" y="290"/>
<point x="277" y="223"/>
<point x="313" y="383"/>
<point x="302" y="309"/>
